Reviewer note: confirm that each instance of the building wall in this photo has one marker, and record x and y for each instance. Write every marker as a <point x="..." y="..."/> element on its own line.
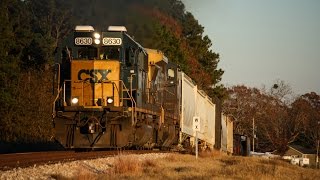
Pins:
<point x="312" y="159"/>
<point x="292" y="152"/>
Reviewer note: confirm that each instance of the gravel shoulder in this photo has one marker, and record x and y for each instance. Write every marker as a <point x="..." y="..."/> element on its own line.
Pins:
<point x="72" y="169"/>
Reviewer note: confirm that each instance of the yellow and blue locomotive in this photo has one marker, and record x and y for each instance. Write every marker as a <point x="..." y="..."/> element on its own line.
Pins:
<point x="113" y="93"/>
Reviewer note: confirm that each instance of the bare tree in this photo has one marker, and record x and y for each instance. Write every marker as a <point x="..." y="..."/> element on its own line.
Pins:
<point x="275" y="124"/>
<point x="281" y="91"/>
<point x="307" y="109"/>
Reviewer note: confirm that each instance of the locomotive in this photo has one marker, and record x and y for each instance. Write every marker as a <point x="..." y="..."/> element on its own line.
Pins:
<point x="114" y="93"/>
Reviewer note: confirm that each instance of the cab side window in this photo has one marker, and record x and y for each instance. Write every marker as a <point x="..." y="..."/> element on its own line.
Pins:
<point x="129" y="56"/>
<point x="143" y="61"/>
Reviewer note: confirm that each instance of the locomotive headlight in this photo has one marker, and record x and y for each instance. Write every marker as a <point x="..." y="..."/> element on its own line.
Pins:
<point x="96" y="35"/>
<point x="109" y="100"/>
<point x="97" y="41"/>
<point x="96" y="38"/>
<point x="75" y="100"/>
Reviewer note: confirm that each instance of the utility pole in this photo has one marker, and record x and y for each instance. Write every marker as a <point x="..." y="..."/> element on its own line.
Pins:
<point x="253" y="135"/>
<point x="317" y="154"/>
<point x="196" y="144"/>
<point x="196" y="128"/>
<point x="317" y="158"/>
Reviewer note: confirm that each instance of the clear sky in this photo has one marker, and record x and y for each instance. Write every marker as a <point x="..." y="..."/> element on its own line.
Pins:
<point x="260" y="41"/>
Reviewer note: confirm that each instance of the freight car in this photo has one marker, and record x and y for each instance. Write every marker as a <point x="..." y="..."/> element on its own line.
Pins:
<point x="114" y="93"/>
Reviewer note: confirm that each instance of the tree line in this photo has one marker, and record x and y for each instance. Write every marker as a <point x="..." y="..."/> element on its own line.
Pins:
<point x="30" y="30"/>
<point x="280" y="117"/>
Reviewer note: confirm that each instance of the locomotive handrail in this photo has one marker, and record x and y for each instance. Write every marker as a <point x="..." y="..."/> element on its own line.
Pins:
<point x="64" y="91"/>
<point x="58" y="92"/>
<point x="58" y="76"/>
<point x="133" y="102"/>
<point x="134" y="109"/>
<point x="54" y="103"/>
<point x="129" y="94"/>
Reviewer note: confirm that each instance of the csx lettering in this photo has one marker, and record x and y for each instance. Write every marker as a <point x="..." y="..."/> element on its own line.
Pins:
<point x="93" y="75"/>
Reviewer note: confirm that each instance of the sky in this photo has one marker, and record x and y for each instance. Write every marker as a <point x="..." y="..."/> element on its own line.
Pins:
<point x="262" y="41"/>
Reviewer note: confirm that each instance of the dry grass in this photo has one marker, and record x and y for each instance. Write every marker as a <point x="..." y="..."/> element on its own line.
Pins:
<point x="85" y="173"/>
<point x="126" y="164"/>
<point x="210" y="165"/>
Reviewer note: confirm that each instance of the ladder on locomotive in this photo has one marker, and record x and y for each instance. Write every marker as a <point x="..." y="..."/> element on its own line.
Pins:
<point x="133" y="102"/>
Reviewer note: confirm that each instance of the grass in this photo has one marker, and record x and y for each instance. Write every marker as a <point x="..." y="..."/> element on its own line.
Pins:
<point x="207" y="166"/>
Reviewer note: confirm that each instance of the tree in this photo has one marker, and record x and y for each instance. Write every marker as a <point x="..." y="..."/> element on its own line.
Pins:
<point x="242" y="104"/>
<point x="306" y="108"/>
<point x="24" y="112"/>
<point x="275" y="122"/>
<point x="281" y="91"/>
<point x="208" y="60"/>
<point x="51" y="18"/>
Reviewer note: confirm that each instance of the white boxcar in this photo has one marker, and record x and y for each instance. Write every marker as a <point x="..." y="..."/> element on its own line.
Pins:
<point x="227" y="133"/>
<point x="224" y="134"/>
<point x="196" y="103"/>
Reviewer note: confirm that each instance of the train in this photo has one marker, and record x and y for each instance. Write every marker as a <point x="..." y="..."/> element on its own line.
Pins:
<point x="111" y="92"/>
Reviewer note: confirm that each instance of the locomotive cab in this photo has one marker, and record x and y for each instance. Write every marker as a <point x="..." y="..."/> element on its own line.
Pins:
<point x="94" y="80"/>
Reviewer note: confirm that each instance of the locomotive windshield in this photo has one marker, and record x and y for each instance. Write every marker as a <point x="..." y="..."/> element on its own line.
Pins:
<point x="110" y="52"/>
<point x="92" y="45"/>
<point x="87" y="53"/>
<point x="98" y="53"/>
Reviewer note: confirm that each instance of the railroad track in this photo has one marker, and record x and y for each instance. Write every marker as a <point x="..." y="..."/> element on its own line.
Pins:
<point x="21" y="160"/>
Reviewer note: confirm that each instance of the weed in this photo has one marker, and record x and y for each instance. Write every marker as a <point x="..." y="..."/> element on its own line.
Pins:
<point x="125" y="164"/>
<point x="207" y="166"/>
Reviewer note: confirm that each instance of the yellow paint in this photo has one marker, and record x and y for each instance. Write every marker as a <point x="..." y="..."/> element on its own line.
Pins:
<point x="155" y="58"/>
<point x="92" y="80"/>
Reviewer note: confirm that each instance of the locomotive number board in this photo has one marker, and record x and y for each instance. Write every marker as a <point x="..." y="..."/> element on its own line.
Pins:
<point x="83" y="41"/>
<point x="108" y="41"/>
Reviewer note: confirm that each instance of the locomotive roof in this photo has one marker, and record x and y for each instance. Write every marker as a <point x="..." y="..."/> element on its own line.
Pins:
<point x="84" y="28"/>
<point x="117" y="28"/>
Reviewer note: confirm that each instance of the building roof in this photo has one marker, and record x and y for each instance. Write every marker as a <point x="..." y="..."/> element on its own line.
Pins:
<point x="302" y="149"/>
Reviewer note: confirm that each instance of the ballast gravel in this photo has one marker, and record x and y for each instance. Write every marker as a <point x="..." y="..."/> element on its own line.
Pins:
<point x="70" y="170"/>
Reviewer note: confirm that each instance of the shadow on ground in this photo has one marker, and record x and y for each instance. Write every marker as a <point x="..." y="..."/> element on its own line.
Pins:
<point x="29" y="147"/>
